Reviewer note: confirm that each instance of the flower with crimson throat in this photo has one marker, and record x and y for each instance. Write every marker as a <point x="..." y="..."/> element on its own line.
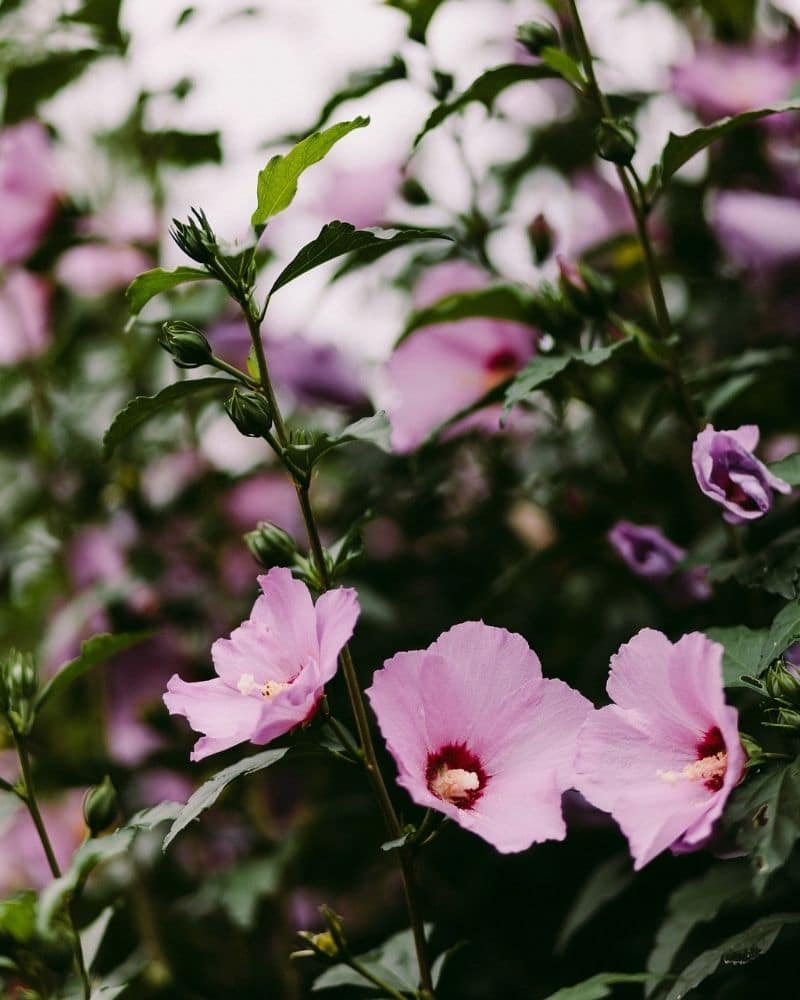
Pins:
<point x="478" y="734"/>
<point x="665" y="756"/>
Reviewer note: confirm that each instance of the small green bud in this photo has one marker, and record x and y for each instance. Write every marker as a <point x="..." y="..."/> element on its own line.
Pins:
<point x="100" y="807"/>
<point x="271" y="545"/>
<point x="196" y="238"/>
<point x="782" y="683"/>
<point x="615" y="140"/>
<point x="19" y="684"/>
<point x="537" y="35"/>
<point x="413" y="192"/>
<point x="540" y="235"/>
<point x="250" y="412"/>
<point x="187" y="345"/>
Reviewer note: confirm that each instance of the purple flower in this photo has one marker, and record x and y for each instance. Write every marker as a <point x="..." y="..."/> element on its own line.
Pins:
<point x="729" y="79"/>
<point x="23" y="864"/>
<point x="28" y="191"/>
<point x="665" y="756"/>
<point x="360" y="195"/>
<point x="478" y="734"/>
<point x="728" y="472"/>
<point x="791" y="659"/>
<point x="272" y="670"/>
<point x="94" y="269"/>
<point x="759" y="232"/>
<point x="24" y="316"/>
<point x="649" y="554"/>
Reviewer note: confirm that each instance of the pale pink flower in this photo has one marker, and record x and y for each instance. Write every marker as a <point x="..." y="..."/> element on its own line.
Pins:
<point x="665" y="756"/>
<point x="359" y="195"/>
<point x="478" y="734"/>
<point x="24" y="316"/>
<point x="759" y="232"/>
<point x="94" y="269"/>
<point x="273" y="668"/>
<point x="23" y="863"/>
<point x="28" y="193"/>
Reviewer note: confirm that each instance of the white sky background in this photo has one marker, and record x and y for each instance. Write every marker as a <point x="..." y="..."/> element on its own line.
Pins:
<point x="257" y="77"/>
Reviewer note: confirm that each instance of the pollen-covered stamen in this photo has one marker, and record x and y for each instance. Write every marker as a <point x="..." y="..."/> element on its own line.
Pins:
<point x="455" y="775"/>
<point x="247" y="684"/>
<point x="710" y="766"/>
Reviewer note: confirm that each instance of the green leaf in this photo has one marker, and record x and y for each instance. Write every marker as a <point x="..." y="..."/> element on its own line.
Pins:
<point x="338" y="238"/>
<point x="696" y="902"/>
<point x="784" y="630"/>
<point x="681" y="148"/>
<point x="543" y="368"/>
<point x="774" y="567"/>
<point x="146" y="286"/>
<point x="739" y="949"/>
<point x="26" y="87"/>
<point x="376" y="430"/>
<point x="359" y="84"/>
<point x="486" y="89"/>
<point x="185" y="149"/>
<point x="764" y="815"/>
<point x="564" y="65"/>
<point x="500" y="301"/>
<point x="599" y="986"/>
<point x="208" y="793"/>
<point x="394" y="962"/>
<point x="605" y="883"/>
<point x="787" y="469"/>
<point x="103" y="17"/>
<point x="92" y="653"/>
<point x="143" y="408"/>
<point x="18" y="917"/>
<point x="277" y="182"/>
<point x="743" y="647"/>
<point x="419" y="12"/>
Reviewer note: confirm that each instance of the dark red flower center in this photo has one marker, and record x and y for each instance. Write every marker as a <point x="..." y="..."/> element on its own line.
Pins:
<point x="455" y="775"/>
<point x="502" y="363"/>
<point x="712" y="759"/>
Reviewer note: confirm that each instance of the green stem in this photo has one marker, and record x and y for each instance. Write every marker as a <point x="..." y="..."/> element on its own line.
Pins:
<point x="240" y="376"/>
<point x="636" y="197"/>
<point x="359" y="709"/>
<point x="41" y="829"/>
<point x="363" y="971"/>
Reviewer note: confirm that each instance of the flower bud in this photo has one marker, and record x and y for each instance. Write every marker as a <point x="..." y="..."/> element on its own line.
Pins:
<point x="615" y="141"/>
<point x="781" y="682"/>
<point x="537" y="35"/>
<point x="19" y="684"/>
<point x="100" y="807"/>
<point x="271" y="545"/>
<point x="187" y="345"/>
<point x="540" y="235"/>
<point x="324" y="942"/>
<point x="250" y="412"/>
<point x="584" y="289"/>
<point x="413" y="192"/>
<point x="788" y="719"/>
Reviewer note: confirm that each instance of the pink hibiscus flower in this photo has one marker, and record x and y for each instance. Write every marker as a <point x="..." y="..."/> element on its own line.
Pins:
<point x="478" y="734"/>
<point x="665" y="756"/>
<point x="273" y="668"/>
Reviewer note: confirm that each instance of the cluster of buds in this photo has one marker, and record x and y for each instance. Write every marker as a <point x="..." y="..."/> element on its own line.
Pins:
<point x="196" y="238"/>
<point x="782" y="683"/>
<point x="19" y="685"/>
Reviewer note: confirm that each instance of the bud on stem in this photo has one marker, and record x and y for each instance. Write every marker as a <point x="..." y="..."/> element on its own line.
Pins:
<point x="250" y="413"/>
<point x="187" y="345"/>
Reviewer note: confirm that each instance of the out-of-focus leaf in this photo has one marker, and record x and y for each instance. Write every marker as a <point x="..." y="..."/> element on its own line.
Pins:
<point x="599" y="986"/>
<point x="739" y="949"/>
<point x="103" y="16"/>
<point x="208" y="793"/>
<point x="784" y="630"/>
<point x="338" y="238"/>
<point x="359" y="84"/>
<point x="774" y="568"/>
<point x="787" y="469"/>
<point x="486" y="89"/>
<point x="742" y="656"/>
<point x="28" y="86"/>
<point x="394" y="962"/>
<point x="238" y="890"/>
<point x="93" y="652"/>
<point x="277" y="182"/>
<point x="605" y="883"/>
<point x="92" y="936"/>
<point x="681" y="148"/>
<point x="151" y="283"/>
<point x="142" y="408"/>
<point x="509" y="302"/>
<point x="693" y="903"/>
<point x="764" y="815"/>
<point x="419" y="12"/>
<point x="185" y="149"/>
<point x="542" y="368"/>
